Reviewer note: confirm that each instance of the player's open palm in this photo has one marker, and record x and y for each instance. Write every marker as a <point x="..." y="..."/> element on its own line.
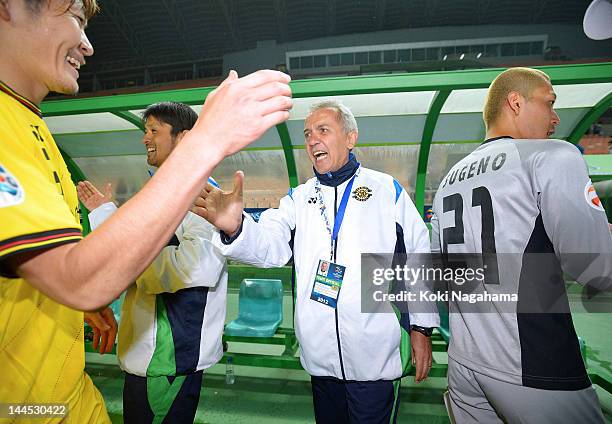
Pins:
<point x="91" y="197"/>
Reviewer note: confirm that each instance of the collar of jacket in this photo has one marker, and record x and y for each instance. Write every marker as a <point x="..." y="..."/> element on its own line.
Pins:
<point x="334" y="179"/>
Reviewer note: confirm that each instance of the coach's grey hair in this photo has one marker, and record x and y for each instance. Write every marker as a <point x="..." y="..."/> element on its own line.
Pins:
<point x="345" y="116"/>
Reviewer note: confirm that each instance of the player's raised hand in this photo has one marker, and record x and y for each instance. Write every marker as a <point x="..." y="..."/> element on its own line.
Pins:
<point x="91" y="197"/>
<point x="223" y="209"/>
<point x="240" y="110"/>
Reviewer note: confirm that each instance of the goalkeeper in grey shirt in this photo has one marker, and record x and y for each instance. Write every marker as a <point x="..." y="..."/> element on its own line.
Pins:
<point x="529" y="202"/>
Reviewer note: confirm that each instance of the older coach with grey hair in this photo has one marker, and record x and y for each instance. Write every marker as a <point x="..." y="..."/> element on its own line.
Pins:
<point x="356" y="359"/>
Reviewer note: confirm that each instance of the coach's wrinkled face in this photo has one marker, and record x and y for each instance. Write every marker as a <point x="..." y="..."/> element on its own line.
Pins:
<point x="327" y="143"/>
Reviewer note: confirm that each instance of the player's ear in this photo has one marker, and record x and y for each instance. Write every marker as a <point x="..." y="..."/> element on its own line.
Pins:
<point x="180" y="135"/>
<point x="352" y="139"/>
<point x="514" y="101"/>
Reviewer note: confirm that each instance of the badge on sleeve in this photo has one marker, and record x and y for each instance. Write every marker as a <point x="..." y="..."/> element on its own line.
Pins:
<point x="327" y="283"/>
<point x="591" y="197"/>
<point x="11" y="192"/>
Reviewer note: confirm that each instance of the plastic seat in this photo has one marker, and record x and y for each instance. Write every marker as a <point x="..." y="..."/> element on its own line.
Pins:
<point x="260" y="309"/>
<point x="116" y="306"/>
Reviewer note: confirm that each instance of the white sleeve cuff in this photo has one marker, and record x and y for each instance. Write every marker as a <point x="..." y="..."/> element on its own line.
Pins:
<point x="101" y="214"/>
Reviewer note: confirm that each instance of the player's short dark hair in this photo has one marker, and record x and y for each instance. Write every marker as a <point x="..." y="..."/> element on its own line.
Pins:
<point x="178" y="115"/>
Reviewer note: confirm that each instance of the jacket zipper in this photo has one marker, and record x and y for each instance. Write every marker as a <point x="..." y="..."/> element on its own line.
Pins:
<point x="336" y="309"/>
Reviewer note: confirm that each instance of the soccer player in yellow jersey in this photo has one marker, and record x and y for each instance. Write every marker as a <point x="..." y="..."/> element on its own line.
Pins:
<point x="47" y="270"/>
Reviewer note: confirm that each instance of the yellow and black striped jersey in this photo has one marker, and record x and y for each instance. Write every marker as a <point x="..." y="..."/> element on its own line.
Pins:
<point x="41" y="341"/>
<point x="38" y="201"/>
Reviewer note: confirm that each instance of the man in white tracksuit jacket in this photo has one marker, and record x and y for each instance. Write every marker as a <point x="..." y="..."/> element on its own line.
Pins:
<point x="172" y="318"/>
<point x="355" y="359"/>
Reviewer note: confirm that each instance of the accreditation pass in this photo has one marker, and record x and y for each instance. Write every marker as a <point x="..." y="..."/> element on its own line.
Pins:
<point x="327" y="283"/>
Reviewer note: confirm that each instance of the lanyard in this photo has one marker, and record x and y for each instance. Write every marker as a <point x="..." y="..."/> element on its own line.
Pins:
<point x="339" y="215"/>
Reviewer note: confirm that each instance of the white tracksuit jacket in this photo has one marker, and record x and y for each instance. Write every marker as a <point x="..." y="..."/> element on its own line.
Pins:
<point x="344" y="343"/>
<point x="172" y="319"/>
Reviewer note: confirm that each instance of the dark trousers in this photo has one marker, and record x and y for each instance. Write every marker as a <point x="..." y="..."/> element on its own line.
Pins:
<point x="355" y="402"/>
<point x="173" y="399"/>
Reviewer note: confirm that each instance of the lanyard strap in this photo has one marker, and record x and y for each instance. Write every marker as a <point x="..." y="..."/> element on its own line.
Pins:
<point x="339" y="215"/>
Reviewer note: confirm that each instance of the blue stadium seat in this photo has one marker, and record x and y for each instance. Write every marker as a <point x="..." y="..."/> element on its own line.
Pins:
<point x="260" y="309"/>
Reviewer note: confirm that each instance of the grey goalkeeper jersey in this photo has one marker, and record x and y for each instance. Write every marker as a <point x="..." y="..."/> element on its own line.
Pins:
<point x="531" y="203"/>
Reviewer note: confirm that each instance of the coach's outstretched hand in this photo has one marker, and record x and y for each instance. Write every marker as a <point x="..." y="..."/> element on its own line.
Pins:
<point x="223" y="209"/>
